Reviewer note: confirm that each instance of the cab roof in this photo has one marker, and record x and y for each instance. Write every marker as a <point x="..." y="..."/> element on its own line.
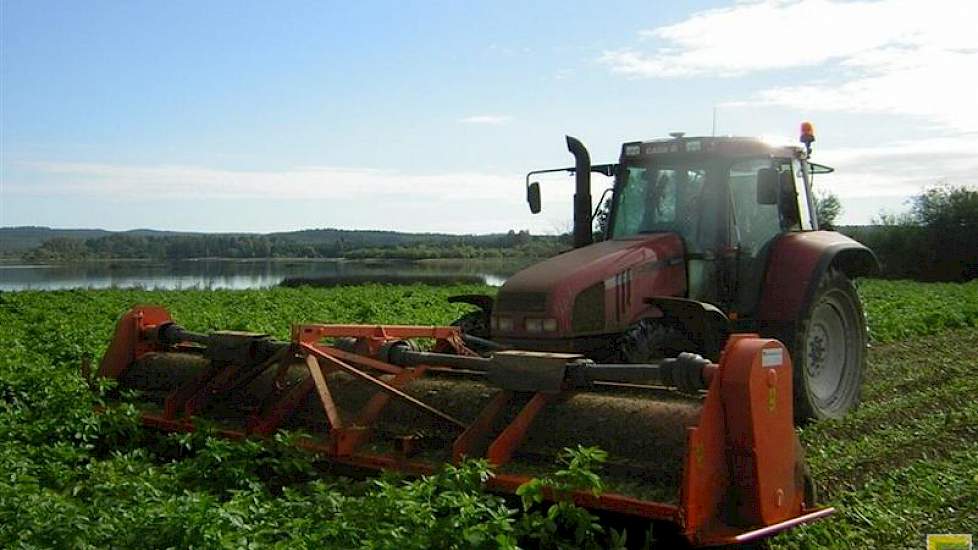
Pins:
<point x="732" y="146"/>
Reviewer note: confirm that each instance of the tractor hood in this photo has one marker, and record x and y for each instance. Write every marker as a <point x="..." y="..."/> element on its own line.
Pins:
<point x="625" y="271"/>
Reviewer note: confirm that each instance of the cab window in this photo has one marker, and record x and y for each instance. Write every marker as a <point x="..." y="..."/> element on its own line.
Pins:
<point x="659" y="198"/>
<point x="753" y="224"/>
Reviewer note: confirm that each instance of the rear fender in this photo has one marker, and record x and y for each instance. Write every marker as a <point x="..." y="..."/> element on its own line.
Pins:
<point x="798" y="262"/>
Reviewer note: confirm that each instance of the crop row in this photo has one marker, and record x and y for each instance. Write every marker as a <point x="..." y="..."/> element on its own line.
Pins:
<point x="73" y="478"/>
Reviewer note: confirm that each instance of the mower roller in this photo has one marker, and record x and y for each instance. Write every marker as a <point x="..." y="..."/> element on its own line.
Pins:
<point x="709" y="448"/>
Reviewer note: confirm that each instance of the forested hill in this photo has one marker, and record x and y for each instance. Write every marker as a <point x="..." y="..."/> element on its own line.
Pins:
<point x="20" y="239"/>
<point x="45" y="244"/>
<point x="368" y="238"/>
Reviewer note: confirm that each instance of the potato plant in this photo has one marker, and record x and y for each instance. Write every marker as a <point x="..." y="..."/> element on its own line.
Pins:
<point x="904" y="464"/>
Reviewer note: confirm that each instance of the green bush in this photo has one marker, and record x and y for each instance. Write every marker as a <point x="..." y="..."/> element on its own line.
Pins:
<point x="936" y="241"/>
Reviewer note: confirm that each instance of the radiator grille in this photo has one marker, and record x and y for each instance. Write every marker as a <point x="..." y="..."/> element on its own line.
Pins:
<point x="521" y="301"/>
<point x="589" y="309"/>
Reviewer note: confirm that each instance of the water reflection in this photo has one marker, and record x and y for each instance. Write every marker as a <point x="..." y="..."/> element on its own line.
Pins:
<point x="250" y="274"/>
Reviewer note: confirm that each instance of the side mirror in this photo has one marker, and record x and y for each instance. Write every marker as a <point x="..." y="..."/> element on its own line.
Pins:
<point x="533" y="197"/>
<point x="768" y="186"/>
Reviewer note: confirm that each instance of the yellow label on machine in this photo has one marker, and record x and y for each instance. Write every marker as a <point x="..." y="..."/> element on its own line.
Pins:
<point x="949" y="542"/>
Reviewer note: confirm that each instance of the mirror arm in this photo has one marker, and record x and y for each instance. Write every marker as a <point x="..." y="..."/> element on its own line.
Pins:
<point x="600" y="203"/>
<point x="535" y="172"/>
<point x="604" y="169"/>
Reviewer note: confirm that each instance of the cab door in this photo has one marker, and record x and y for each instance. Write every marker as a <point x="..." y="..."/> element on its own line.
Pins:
<point x="753" y="229"/>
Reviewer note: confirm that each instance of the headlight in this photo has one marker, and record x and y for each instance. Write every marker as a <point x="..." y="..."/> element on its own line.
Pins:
<point x="540" y="325"/>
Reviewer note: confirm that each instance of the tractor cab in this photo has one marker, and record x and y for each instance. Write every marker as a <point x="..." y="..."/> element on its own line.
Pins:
<point x="691" y="218"/>
<point x="726" y="198"/>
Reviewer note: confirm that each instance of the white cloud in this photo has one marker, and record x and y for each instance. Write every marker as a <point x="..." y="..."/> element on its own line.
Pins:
<point x="889" y="56"/>
<point x="316" y="182"/>
<point x="901" y="169"/>
<point x="491" y="120"/>
<point x="356" y="198"/>
<point x="776" y="34"/>
<point x="935" y="85"/>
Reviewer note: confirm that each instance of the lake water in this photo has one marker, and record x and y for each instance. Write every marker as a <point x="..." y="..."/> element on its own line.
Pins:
<point x="250" y="274"/>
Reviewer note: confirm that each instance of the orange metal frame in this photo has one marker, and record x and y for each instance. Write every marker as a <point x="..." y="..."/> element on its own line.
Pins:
<point x="741" y="479"/>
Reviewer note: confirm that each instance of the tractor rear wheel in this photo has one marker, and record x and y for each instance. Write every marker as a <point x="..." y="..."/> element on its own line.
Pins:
<point x="829" y="351"/>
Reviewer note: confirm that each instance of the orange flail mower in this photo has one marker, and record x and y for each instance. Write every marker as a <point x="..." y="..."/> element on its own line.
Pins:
<point x="708" y="448"/>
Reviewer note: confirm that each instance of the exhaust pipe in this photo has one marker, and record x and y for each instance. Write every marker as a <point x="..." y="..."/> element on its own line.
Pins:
<point x="582" y="193"/>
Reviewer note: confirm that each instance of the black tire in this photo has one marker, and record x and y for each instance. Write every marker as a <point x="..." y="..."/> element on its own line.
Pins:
<point x="649" y="340"/>
<point x="474" y="323"/>
<point x="829" y="351"/>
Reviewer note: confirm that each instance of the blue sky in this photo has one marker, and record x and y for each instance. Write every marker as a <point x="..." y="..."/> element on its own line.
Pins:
<point x="247" y="116"/>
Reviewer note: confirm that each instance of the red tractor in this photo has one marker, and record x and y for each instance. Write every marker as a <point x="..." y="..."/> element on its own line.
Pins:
<point x="705" y="237"/>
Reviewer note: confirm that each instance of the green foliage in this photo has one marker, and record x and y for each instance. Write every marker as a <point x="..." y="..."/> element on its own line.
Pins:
<point x="74" y="478"/>
<point x="306" y="244"/>
<point x="561" y="524"/>
<point x="897" y="243"/>
<point x="601" y="220"/>
<point x="905" y="463"/>
<point x="935" y="241"/>
<point x="950" y="216"/>
<point x="946" y="207"/>
<point x="827" y="209"/>
<point x="896" y="310"/>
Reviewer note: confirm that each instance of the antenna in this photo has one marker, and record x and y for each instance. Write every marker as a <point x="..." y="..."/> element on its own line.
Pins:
<point x="714" y="121"/>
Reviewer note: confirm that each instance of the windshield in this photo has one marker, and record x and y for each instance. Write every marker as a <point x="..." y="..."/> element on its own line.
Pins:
<point x="665" y="196"/>
<point x="696" y="198"/>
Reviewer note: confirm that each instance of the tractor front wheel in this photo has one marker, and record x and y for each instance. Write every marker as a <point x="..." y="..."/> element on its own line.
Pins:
<point x="650" y="340"/>
<point x="474" y="323"/>
<point x="829" y="351"/>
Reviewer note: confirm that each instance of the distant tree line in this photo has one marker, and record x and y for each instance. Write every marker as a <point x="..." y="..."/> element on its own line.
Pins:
<point x="936" y="241"/>
<point x="127" y="246"/>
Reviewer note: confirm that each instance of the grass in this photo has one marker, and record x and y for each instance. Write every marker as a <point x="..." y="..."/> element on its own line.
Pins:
<point x="905" y="464"/>
<point x="897" y="310"/>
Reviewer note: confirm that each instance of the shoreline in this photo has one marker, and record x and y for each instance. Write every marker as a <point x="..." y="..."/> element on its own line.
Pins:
<point x="19" y="263"/>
